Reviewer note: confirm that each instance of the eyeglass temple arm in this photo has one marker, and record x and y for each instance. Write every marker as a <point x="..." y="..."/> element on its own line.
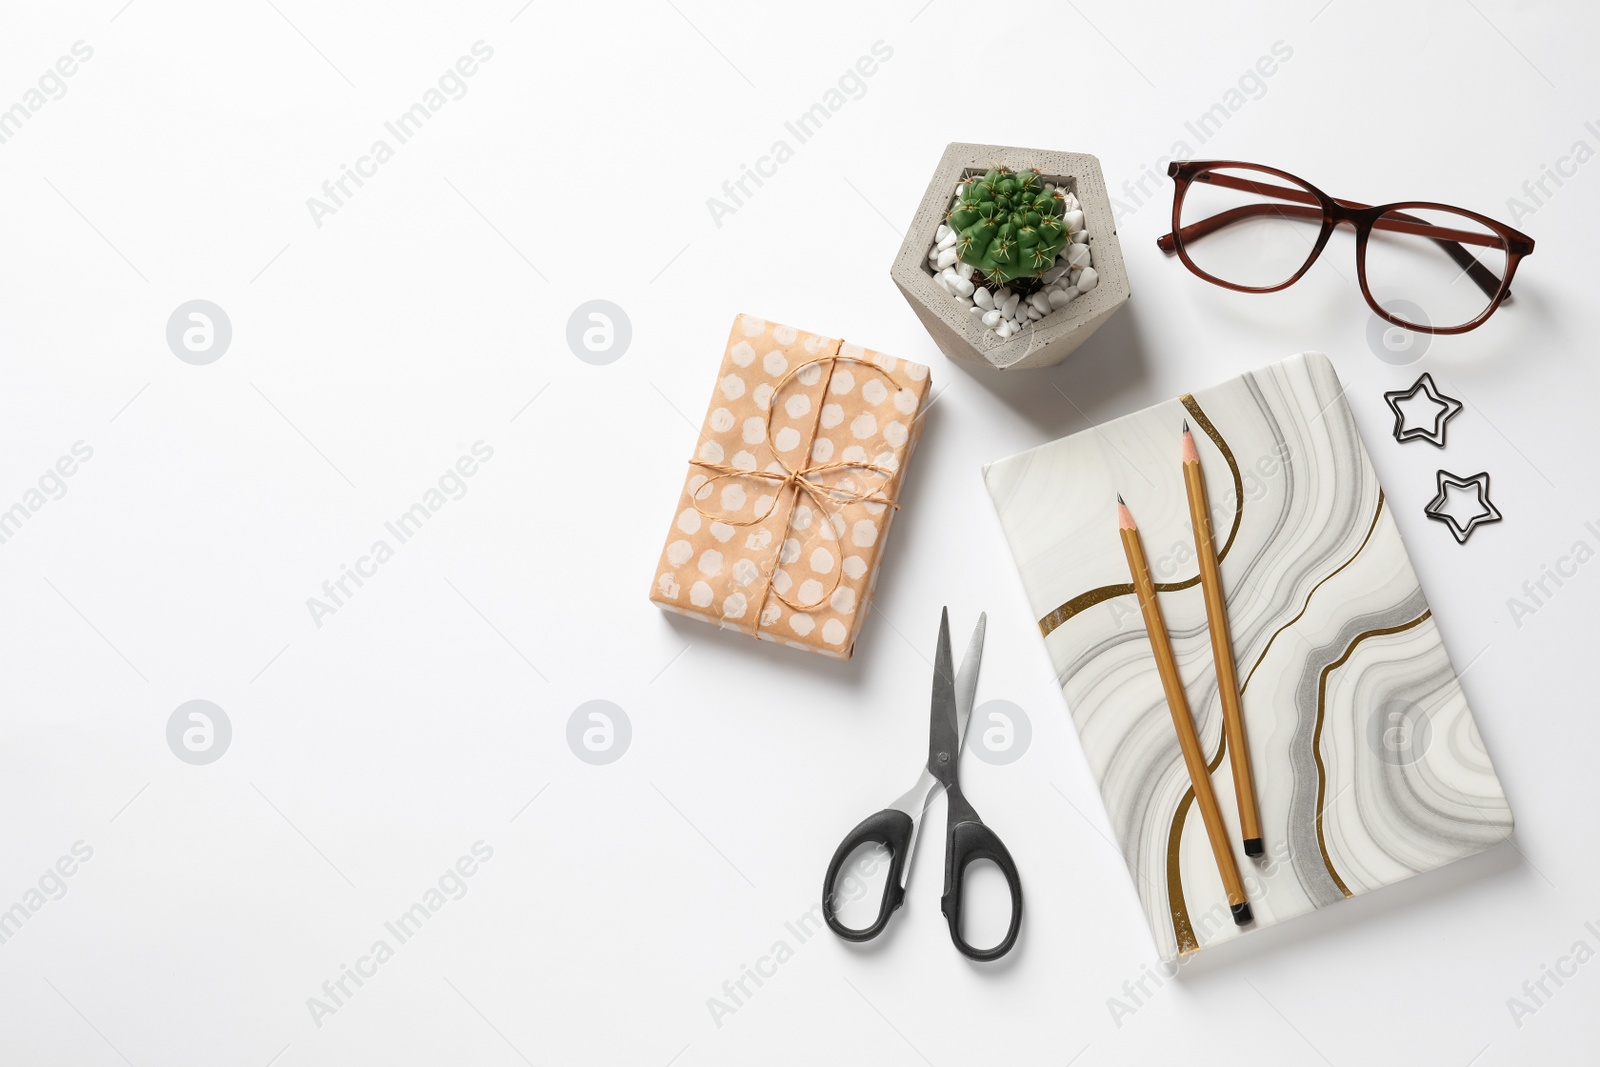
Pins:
<point x="1447" y="238"/>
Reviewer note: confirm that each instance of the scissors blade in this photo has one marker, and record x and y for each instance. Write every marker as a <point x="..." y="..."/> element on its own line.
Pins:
<point x="944" y="731"/>
<point x="915" y="803"/>
<point x="967" y="680"/>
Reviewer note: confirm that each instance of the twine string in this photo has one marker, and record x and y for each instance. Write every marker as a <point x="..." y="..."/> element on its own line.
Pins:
<point x="808" y="480"/>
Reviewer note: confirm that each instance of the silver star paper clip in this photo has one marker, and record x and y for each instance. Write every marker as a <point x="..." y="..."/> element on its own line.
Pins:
<point x="1478" y="485"/>
<point x="1421" y="412"/>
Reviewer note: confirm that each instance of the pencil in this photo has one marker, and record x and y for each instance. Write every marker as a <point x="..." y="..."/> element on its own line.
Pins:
<point x="1182" y="718"/>
<point x="1244" y="786"/>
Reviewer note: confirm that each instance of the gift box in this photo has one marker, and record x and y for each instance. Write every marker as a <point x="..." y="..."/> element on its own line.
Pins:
<point x="781" y="524"/>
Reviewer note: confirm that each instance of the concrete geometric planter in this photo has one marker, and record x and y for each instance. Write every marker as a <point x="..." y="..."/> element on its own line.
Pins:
<point x="959" y="334"/>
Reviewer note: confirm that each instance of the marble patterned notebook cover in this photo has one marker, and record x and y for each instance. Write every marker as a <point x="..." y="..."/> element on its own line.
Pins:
<point x="1367" y="760"/>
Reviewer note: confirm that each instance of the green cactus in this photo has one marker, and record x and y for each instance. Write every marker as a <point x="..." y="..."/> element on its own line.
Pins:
<point x="1008" y="225"/>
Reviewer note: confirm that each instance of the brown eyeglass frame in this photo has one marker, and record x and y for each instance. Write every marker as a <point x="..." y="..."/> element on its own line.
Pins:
<point x="1309" y="202"/>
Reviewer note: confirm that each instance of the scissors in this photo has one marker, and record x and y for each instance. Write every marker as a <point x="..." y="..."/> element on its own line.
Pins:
<point x="967" y="839"/>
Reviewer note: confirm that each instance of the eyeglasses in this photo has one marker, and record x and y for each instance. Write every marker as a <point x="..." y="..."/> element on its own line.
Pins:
<point x="1423" y="266"/>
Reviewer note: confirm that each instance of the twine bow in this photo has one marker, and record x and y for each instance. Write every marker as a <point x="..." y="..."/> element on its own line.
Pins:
<point x="804" y="479"/>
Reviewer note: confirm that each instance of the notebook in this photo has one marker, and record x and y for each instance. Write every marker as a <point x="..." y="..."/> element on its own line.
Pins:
<point x="1368" y="764"/>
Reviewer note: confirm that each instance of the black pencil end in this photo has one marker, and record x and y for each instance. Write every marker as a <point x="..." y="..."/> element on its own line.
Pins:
<point x="1241" y="914"/>
<point x="1254" y="847"/>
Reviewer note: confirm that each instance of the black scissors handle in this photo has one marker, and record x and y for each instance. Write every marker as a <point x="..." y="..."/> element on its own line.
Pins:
<point x="968" y="840"/>
<point x="891" y="828"/>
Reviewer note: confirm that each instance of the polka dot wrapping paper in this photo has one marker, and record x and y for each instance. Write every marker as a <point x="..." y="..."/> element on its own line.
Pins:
<point x="783" y="517"/>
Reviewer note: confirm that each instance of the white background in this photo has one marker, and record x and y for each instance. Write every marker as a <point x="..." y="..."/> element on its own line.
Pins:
<point x="371" y="752"/>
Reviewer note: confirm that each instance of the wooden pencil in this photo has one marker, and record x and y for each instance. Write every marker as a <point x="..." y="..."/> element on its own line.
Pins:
<point x="1182" y="718"/>
<point x="1244" y="787"/>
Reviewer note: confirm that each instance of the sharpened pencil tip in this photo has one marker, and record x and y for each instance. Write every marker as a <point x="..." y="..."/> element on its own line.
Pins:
<point x="1185" y="425"/>
<point x="1119" y="499"/>
<point x="1190" y="453"/>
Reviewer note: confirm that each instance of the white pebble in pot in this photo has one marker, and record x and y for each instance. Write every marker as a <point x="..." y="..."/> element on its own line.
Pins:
<point x="1087" y="279"/>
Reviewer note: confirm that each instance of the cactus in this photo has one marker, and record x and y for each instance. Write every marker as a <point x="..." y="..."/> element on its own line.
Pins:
<point x="1008" y="225"/>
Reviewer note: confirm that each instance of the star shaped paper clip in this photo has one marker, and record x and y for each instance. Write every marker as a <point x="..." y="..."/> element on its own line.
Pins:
<point x="1441" y="408"/>
<point x="1478" y="484"/>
